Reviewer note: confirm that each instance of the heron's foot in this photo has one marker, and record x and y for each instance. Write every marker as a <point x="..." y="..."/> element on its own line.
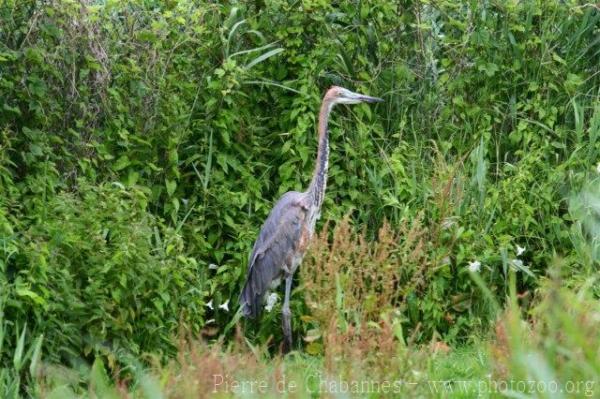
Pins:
<point x="287" y="330"/>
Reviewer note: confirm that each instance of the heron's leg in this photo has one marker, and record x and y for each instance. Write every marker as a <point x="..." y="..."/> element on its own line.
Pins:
<point x="287" y="315"/>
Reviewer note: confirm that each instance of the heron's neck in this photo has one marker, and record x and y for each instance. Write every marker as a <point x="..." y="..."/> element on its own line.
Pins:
<point x="319" y="180"/>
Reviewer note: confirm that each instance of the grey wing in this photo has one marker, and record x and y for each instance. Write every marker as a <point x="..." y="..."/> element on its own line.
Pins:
<point x="278" y="239"/>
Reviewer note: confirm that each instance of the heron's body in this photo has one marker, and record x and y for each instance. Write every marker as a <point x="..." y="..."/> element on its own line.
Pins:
<point x="285" y="235"/>
<point x="279" y="248"/>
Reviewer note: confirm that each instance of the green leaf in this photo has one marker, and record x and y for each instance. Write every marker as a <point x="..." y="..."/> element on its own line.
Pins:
<point x="171" y="186"/>
<point x="18" y="359"/>
<point x="26" y="292"/>
<point x="121" y="163"/>
<point x="14" y="110"/>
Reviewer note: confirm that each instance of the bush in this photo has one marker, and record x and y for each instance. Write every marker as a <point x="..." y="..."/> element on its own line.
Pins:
<point x="143" y="143"/>
<point x="100" y="275"/>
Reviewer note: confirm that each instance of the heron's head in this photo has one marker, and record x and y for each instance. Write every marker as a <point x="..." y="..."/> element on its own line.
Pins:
<point x="339" y="95"/>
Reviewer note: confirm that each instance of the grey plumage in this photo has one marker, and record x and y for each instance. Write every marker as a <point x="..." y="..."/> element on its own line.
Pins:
<point x="275" y="245"/>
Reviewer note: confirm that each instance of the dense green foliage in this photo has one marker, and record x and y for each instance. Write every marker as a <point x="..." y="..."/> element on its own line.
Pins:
<point x="142" y="142"/>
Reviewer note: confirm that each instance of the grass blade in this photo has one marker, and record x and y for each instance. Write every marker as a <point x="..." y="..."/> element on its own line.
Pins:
<point x="263" y="57"/>
<point x="18" y="356"/>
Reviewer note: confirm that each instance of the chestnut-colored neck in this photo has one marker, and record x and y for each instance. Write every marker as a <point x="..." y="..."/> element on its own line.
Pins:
<point x="319" y="180"/>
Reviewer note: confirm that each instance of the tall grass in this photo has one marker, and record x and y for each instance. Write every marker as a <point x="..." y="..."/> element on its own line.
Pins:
<point x="545" y="349"/>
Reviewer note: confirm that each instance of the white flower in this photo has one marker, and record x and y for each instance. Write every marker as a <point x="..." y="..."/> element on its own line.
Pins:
<point x="598" y="167"/>
<point x="517" y="263"/>
<point x="225" y="306"/>
<point x="213" y="266"/>
<point x="271" y="301"/>
<point x="520" y="250"/>
<point x="474" y="266"/>
<point x="209" y="305"/>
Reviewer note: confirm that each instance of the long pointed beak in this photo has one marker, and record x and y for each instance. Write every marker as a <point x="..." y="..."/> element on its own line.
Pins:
<point x="349" y="97"/>
<point x="369" y="99"/>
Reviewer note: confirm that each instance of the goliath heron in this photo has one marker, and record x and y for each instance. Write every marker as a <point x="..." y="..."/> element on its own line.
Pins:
<point x="284" y="237"/>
